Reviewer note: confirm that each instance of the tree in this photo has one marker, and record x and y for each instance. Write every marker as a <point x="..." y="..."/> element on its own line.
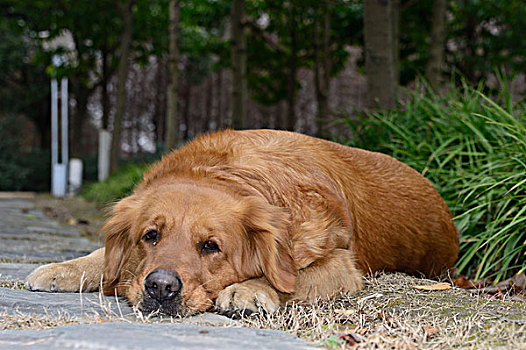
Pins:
<point x="293" y="23"/>
<point x="172" y="127"/>
<point x="24" y="85"/>
<point x="379" y="60"/>
<point x="239" y="65"/>
<point x="487" y="35"/>
<point x="395" y="30"/>
<point x="282" y="41"/>
<point x="322" y="68"/>
<point x="126" y="13"/>
<point x="436" y="47"/>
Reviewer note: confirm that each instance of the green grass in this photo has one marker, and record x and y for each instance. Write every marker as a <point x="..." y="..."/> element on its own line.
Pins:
<point x="473" y="149"/>
<point x="116" y="186"/>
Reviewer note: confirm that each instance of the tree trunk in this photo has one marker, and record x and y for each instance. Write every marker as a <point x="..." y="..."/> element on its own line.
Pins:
<point x="208" y="113"/>
<point x="379" y="62"/>
<point x="322" y="70"/>
<point x="290" y="122"/>
<point x="126" y="12"/>
<point x="105" y="97"/>
<point x="82" y="93"/>
<point x="395" y="25"/>
<point x="438" y="41"/>
<point x="239" y="65"/>
<point x="219" y="97"/>
<point x="160" y="102"/>
<point x="172" y="129"/>
<point x="187" y="95"/>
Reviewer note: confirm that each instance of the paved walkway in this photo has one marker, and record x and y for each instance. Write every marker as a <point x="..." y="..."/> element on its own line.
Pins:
<point x="28" y="236"/>
<point x="29" y="239"/>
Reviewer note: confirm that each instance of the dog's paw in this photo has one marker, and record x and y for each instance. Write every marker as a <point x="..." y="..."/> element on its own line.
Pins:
<point x="247" y="297"/>
<point x="58" y="277"/>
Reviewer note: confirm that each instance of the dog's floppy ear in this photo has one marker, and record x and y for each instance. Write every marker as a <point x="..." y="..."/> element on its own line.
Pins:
<point x="266" y="226"/>
<point x="118" y="241"/>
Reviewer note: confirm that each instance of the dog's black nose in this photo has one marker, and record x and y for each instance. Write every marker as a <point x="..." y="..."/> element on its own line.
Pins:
<point x="162" y="284"/>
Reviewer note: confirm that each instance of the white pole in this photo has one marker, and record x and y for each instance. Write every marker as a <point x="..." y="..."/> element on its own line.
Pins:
<point x="75" y="175"/>
<point x="58" y="170"/>
<point x="54" y="122"/>
<point x="104" y="154"/>
<point x="64" y="120"/>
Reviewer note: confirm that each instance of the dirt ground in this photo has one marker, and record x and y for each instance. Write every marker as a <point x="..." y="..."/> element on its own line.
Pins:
<point x="390" y="313"/>
<point x="85" y="216"/>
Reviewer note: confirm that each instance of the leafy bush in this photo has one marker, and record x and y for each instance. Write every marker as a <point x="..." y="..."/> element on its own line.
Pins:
<point x="119" y="184"/>
<point x="115" y="187"/>
<point x="473" y="150"/>
<point x="21" y="168"/>
<point x="37" y="164"/>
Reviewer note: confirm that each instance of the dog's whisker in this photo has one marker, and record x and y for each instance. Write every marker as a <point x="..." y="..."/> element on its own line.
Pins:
<point x="131" y="273"/>
<point x="210" y="280"/>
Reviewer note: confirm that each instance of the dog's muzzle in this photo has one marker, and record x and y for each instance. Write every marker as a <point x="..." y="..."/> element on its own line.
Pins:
<point x="162" y="292"/>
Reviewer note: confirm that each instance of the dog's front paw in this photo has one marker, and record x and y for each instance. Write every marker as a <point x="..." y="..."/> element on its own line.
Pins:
<point x="58" y="277"/>
<point x="248" y="297"/>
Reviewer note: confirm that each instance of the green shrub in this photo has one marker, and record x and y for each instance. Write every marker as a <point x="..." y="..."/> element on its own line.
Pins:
<point x="116" y="186"/>
<point x="473" y="149"/>
<point x="21" y="168"/>
<point x="119" y="184"/>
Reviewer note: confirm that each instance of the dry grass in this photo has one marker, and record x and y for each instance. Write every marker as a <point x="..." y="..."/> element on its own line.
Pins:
<point x="20" y="320"/>
<point x="12" y="284"/>
<point x="388" y="314"/>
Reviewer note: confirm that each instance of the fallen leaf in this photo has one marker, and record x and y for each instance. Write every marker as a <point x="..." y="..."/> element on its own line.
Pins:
<point x="436" y="286"/>
<point x="351" y="338"/>
<point x="362" y="331"/>
<point x="519" y="282"/>
<point x="430" y="331"/>
<point x="101" y="320"/>
<point x="463" y="282"/>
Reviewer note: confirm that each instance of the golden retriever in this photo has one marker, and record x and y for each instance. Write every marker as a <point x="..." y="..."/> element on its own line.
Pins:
<point x="248" y="219"/>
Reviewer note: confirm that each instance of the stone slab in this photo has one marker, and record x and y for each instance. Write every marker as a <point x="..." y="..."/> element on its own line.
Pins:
<point x="19" y="203"/>
<point x="25" y="213"/>
<point x="41" y="256"/>
<point x="17" y="195"/>
<point x="27" y="236"/>
<point x="75" y="305"/>
<point x="43" y="244"/>
<point x="54" y="230"/>
<point x="16" y="272"/>
<point x="117" y="336"/>
<point x="86" y="307"/>
<point x="20" y="235"/>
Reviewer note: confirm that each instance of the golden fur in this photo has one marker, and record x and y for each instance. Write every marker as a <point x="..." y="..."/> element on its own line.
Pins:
<point x="294" y="217"/>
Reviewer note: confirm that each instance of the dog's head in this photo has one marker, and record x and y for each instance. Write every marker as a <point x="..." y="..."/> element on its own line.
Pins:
<point x="174" y="248"/>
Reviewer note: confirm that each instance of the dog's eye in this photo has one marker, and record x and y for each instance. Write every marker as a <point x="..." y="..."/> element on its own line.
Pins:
<point x="151" y="236"/>
<point x="209" y="247"/>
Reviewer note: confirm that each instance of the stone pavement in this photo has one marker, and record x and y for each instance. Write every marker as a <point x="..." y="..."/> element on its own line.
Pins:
<point x="29" y="239"/>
